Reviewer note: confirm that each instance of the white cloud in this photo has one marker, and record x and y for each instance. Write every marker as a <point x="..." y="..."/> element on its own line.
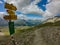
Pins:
<point x="21" y="16"/>
<point x="19" y="3"/>
<point x="32" y="9"/>
<point x="53" y="9"/>
<point x="26" y="6"/>
<point x="2" y="14"/>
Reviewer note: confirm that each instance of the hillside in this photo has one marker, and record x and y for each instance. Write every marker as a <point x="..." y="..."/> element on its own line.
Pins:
<point x="53" y="20"/>
<point x="43" y="34"/>
<point x="50" y="22"/>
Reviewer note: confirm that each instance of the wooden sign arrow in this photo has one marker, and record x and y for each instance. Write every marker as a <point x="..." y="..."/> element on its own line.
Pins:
<point x="10" y="17"/>
<point x="10" y="6"/>
<point x="10" y="12"/>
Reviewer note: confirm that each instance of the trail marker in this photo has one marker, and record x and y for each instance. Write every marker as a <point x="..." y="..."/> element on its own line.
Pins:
<point x="10" y="8"/>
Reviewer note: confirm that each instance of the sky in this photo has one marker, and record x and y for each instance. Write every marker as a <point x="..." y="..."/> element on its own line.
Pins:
<point x="2" y="6"/>
<point x="33" y="9"/>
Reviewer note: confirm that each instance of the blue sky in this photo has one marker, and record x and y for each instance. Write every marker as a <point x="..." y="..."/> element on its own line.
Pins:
<point x="2" y="6"/>
<point x="41" y="3"/>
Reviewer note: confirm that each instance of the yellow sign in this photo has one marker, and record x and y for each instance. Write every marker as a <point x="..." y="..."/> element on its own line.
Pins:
<point x="10" y="12"/>
<point x="10" y="6"/>
<point x="10" y="17"/>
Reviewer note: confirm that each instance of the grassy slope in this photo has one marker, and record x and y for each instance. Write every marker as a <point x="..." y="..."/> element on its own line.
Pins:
<point x="26" y="35"/>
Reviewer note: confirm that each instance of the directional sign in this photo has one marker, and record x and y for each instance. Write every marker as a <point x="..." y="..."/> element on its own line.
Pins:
<point x="10" y="17"/>
<point x="10" y="9"/>
<point x="10" y="12"/>
<point x="10" y="6"/>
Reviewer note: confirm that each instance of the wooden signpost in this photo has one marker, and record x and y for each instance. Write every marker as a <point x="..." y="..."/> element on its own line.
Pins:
<point x="10" y="8"/>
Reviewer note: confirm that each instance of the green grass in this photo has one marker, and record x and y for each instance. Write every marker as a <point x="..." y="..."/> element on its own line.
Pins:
<point x="6" y="33"/>
<point x="5" y="29"/>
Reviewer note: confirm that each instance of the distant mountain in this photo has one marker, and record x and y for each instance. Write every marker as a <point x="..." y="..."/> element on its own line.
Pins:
<point x="27" y="22"/>
<point x="20" y="22"/>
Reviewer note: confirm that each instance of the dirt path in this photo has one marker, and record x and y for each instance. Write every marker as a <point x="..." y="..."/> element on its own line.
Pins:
<point x="38" y="39"/>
